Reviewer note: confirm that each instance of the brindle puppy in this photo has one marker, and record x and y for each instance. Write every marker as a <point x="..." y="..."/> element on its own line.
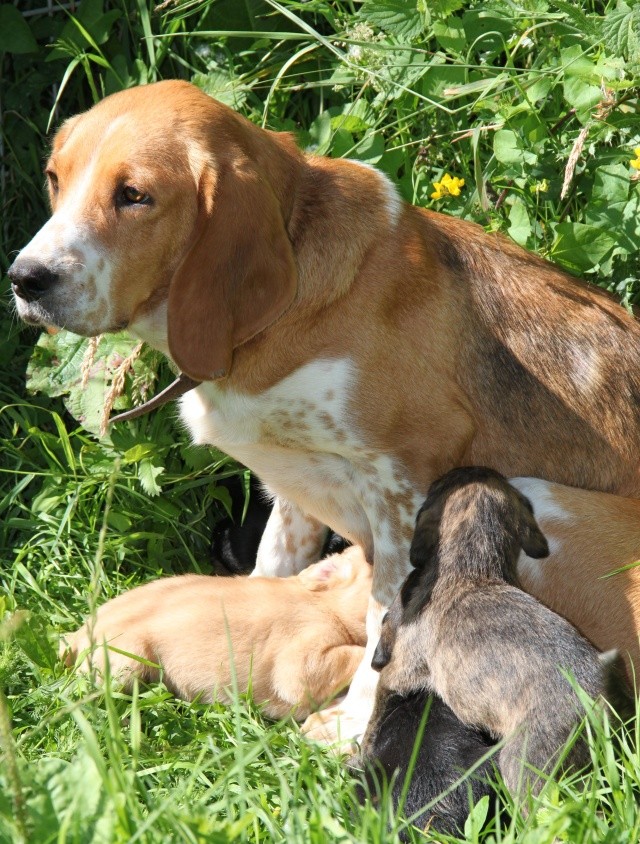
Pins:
<point x="447" y="750"/>
<point x="495" y="655"/>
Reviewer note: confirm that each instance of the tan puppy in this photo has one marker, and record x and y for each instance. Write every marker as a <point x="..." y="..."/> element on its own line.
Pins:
<point x="295" y="642"/>
<point x="591" y="535"/>
<point x="331" y="325"/>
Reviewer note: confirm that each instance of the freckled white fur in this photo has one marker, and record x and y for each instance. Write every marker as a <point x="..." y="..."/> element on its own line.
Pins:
<point x="548" y="513"/>
<point x="393" y="200"/>
<point x="300" y="439"/>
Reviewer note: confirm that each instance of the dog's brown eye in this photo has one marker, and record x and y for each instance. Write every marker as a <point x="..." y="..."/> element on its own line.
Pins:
<point x="53" y="181"/>
<point x="131" y="195"/>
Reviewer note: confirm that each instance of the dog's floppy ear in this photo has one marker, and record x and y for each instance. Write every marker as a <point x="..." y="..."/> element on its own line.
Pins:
<point x="238" y="276"/>
<point x="533" y="541"/>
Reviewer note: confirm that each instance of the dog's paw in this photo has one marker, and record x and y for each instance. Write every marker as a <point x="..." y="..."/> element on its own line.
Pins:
<point x="336" y="726"/>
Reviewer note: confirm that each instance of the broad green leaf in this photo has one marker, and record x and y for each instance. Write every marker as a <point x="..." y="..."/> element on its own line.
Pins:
<point x="400" y="18"/>
<point x="32" y="637"/>
<point x="611" y="183"/>
<point x="370" y="148"/>
<point x="15" y="35"/>
<point x="476" y="819"/>
<point x="450" y="34"/>
<point x="580" y="95"/>
<point x="348" y="122"/>
<point x="139" y="452"/>
<point x="507" y="149"/>
<point x="581" y="247"/>
<point x="519" y="223"/>
<point x="55" y="369"/>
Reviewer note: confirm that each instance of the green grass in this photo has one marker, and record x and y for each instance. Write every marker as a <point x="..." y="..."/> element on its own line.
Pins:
<point x="494" y="92"/>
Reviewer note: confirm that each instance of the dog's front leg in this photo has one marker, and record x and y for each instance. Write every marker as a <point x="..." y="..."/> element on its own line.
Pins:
<point x="291" y="541"/>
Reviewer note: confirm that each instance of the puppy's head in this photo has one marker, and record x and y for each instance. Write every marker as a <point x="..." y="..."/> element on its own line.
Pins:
<point x="475" y="522"/>
<point x="398" y="655"/>
<point x="168" y="215"/>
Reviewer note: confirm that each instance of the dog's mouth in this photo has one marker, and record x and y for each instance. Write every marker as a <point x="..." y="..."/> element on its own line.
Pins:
<point x="40" y="315"/>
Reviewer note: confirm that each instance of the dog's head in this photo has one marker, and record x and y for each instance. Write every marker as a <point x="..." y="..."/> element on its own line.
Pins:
<point x="474" y="522"/>
<point x="166" y="207"/>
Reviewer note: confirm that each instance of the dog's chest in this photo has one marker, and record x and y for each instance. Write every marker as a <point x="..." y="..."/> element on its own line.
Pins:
<point x="306" y="411"/>
<point x="300" y="437"/>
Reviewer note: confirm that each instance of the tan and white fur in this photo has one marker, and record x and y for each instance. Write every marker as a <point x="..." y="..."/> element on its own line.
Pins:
<point x="294" y="642"/>
<point x="352" y="347"/>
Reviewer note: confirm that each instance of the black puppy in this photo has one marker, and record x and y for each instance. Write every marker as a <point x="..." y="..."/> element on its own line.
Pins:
<point x="235" y="540"/>
<point x="495" y="655"/>
<point x="447" y="750"/>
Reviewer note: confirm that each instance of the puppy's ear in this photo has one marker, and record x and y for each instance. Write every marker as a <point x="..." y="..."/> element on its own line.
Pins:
<point x="322" y="575"/>
<point x="381" y="656"/>
<point x="238" y="276"/>
<point x="532" y="539"/>
<point x="426" y="535"/>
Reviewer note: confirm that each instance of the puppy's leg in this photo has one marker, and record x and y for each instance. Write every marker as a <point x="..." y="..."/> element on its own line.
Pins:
<point x="321" y="677"/>
<point x="538" y="748"/>
<point x="292" y="540"/>
<point x="94" y="646"/>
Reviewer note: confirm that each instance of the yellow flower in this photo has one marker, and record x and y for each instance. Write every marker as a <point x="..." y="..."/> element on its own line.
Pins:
<point x="540" y="187"/>
<point x="447" y="186"/>
<point x="635" y="162"/>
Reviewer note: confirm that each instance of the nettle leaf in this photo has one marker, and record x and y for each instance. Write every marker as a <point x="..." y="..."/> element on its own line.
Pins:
<point x="580" y="247"/>
<point x="621" y="31"/>
<point x="56" y="369"/>
<point x="397" y="17"/>
<point x="222" y="87"/>
<point x="444" y="8"/>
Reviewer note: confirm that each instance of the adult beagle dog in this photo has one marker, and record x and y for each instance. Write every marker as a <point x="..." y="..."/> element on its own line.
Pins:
<point x="351" y="347"/>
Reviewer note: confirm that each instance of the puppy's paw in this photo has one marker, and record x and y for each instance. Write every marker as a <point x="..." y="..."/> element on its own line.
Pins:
<point x="336" y="726"/>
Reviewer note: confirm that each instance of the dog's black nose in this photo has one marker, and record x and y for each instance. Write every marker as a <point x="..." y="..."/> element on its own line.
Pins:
<point x="30" y="279"/>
